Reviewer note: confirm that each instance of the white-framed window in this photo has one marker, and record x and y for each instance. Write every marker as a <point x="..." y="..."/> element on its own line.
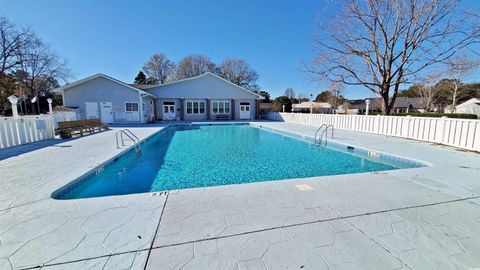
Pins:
<point x="195" y="107"/>
<point x="131" y="106"/>
<point x="221" y="107"/>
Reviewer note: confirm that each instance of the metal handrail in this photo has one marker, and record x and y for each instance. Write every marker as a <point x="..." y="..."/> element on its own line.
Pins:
<point x="315" y="137"/>
<point x="129" y="134"/>
<point x="324" y="132"/>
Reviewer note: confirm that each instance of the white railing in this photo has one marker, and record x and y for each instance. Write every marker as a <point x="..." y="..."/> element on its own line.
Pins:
<point x="27" y="129"/>
<point x="462" y="133"/>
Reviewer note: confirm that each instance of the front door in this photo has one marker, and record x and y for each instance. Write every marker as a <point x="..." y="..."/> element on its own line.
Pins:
<point x="169" y="111"/>
<point x="91" y="110"/>
<point x="106" y="112"/>
<point x="244" y="110"/>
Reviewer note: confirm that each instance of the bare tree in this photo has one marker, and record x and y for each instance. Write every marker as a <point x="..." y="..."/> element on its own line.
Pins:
<point x="458" y="67"/>
<point x="427" y="91"/>
<point x="192" y="66"/>
<point x="13" y="39"/>
<point x="239" y="72"/>
<point x="38" y="64"/>
<point x="301" y="97"/>
<point x="158" y="67"/>
<point x="336" y="88"/>
<point x="289" y="92"/>
<point x="382" y="44"/>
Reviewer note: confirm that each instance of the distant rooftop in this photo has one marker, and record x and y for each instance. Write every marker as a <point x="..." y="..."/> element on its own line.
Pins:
<point x="309" y="104"/>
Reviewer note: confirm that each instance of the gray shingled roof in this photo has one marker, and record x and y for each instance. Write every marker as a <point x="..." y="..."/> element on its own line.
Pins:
<point x="141" y="86"/>
<point x="404" y="102"/>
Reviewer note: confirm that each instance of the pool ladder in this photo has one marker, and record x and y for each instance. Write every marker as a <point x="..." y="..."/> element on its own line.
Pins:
<point x="127" y="132"/>
<point x="323" y="130"/>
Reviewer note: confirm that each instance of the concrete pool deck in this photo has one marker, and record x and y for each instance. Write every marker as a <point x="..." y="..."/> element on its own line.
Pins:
<point x="421" y="218"/>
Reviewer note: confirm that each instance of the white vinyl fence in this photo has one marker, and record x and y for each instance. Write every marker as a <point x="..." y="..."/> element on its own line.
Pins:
<point x="27" y="129"/>
<point x="462" y="133"/>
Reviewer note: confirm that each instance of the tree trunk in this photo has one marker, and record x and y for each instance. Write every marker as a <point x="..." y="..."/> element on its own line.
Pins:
<point x="385" y="110"/>
<point x="38" y="102"/>
<point x="454" y="99"/>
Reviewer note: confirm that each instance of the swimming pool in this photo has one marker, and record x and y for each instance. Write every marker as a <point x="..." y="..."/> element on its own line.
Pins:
<point x="191" y="156"/>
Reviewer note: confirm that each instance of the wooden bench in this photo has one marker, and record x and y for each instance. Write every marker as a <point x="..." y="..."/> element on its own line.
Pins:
<point x="92" y="124"/>
<point x="223" y="117"/>
<point x="69" y="128"/>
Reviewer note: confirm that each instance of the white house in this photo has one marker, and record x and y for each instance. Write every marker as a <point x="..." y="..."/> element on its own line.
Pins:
<point x="316" y="107"/>
<point x="471" y="106"/>
<point x="205" y="97"/>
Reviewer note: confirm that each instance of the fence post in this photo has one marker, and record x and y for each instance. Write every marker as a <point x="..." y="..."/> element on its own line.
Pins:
<point x="14" y="100"/>
<point x="50" y="110"/>
<point x="376" y="124"/>
<point x="443" y="126"/>
<point x="409" y="120"/>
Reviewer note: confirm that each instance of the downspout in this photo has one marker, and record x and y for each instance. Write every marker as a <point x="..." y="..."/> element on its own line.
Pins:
<point x="140" y="107"/>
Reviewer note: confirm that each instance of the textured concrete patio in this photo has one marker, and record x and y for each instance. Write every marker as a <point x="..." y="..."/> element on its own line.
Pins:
<point x="422" y="218"/>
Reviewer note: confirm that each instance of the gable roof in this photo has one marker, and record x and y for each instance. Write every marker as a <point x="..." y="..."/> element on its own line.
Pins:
<point x="470" y="101"/>
<point x="201" y="76"/>
<point x="96" y="76"/>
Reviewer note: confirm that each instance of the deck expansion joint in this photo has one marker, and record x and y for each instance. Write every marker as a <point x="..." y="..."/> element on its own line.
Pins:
<point x="156" y="230"/>
<point x="318" y="221"/>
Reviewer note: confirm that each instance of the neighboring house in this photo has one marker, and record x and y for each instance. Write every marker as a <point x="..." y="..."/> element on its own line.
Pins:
<point x="359" y="105"/>
<point x="406" y="104"/>
<point x="471" y="106"/>
<point x="308" y="106"/>
<point x="344" y="109"/>
<point x="205" y="97"/>
<point x="264" y="109"/>
<point x="402" y="105"/>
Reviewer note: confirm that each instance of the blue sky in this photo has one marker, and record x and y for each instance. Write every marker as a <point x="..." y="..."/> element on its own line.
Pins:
<point x="117" y="37"/>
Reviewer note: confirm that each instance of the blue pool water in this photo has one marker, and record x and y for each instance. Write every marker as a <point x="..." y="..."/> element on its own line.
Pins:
<point x="199" y="156"/>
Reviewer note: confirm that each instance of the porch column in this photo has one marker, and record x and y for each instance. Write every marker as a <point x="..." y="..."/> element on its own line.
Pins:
<point x="182" y="109"/>
<point x="257" y="109"/>
<point x="207" y="107"/>
<point x="155" y="110"/>
<point x="232" y="110"/>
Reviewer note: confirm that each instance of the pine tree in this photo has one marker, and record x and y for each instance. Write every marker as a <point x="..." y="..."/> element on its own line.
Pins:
<point x="141" y="78"/>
